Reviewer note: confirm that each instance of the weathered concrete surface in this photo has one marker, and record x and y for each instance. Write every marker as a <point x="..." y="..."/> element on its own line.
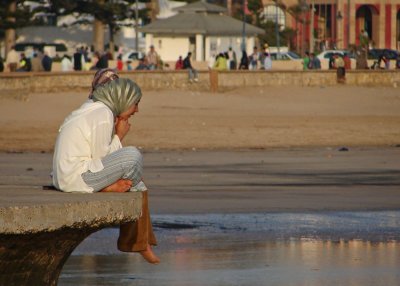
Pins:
<point x="29" y="209"/>
<point x="40" y="228"/>
<point x="19" y="85"/>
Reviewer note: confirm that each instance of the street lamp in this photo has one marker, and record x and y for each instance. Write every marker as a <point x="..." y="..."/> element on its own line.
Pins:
<point x="278" y="44"/>
<point x="348" y="23"/>
<point x="244" y="26"/>
<point x="137" y="26"/>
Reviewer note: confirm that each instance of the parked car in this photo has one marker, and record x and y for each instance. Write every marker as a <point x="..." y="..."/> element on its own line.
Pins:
<point x="329" y="53"/>
<point x="285" y="56"/>
<point x="132" y="56"/>
<point x="378" y="53"/>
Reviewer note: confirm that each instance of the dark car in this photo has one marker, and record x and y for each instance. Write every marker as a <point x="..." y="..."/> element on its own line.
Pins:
<point x="378" y="53"/>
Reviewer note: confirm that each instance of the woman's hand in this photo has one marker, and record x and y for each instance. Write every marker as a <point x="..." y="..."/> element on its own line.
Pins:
<point x="122" y="127"/>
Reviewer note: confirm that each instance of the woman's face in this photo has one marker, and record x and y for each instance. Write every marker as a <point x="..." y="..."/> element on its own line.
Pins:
<point x="130" y="112"/>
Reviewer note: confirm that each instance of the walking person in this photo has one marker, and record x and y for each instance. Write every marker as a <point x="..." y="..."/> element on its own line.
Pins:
<point x="12" y="59"/>
<point x="78" y="59"/>
<point x="253" y="59"/>
<point x="152" y="58"/>
<point x="47" y="62"/>
<point x="89" y="157"/>
<point x="187" y="65"/>
<point x="340" y="69"/>
<point x="267" y="64"/>
<point x="232" y="59"/>
<point x="244" y="61"/>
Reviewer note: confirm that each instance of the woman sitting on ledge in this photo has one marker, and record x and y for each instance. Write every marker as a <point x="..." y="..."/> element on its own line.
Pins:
<point x="89" y="157"/>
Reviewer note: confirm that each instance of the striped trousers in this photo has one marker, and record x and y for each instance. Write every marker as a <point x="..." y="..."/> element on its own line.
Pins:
<point x="126" y="163"/>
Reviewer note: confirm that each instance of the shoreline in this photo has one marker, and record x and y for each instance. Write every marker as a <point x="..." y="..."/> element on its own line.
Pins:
<point x="278" y="181"/>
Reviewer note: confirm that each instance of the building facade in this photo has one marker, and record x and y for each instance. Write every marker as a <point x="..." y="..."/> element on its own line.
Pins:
<point x="327" y="24"/>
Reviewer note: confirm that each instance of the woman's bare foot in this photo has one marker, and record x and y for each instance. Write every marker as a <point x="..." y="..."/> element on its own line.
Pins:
<point x="149" y="255"/>
<point x="120" y="186"/>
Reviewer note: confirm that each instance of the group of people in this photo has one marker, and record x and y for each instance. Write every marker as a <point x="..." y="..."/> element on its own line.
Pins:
<point x="38" y="61"/>
<point x="311" y="62"/>
<point x="228" y="60"/>
<point x="82" y="61"/>
<point x="20" y="62"/>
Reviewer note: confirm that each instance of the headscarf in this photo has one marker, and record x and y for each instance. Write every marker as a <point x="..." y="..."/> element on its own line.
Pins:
<point x="101" y="77"/>
<point x="118" y="95"/>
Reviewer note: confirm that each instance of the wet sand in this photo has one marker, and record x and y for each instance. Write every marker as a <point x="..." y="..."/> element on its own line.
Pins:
<point x="297" y="180"/>
<point x="251" y="118"/>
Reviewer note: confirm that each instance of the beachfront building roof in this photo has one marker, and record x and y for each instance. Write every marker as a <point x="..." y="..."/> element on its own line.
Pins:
<point x="201" y="28"/>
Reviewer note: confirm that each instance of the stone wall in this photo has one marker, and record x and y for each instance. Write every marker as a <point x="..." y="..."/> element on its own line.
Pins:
<point x="19" y="85"/>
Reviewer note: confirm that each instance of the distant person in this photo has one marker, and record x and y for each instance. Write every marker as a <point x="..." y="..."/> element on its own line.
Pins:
<point x="120" y="63"/>
<point x="221" y="63"/>
<point x="77" y="59"/>
<point x="253" y="59"/>
<point x="66" y="64"/>
<point x="267" y="64"/>
<point x="25" y="64"/>
<point x="152" y="58"/>
<point x="102" y="62"/>
<point x="47" y="62"/>
<point x="57" y="58"/>
<point x="12" y="59"/>
<point x="340" y="68"/>
<point x="306" y="61"/>
<point x="386" y="63"/>
<point x="1" y="64"/>
<point x="314" y="63"/>
<point x="143" y="65"/>
<point x="179" y="63"/>
<point x="398" y="62"/>
<point x="347" y="62"/>
<point x="244" y="61"/>
<point x="37" y="62"/>
<point x="232" y="59"/>
<point x="332" y="62"/>
<point x="129" y="65"/>
<point x="187" y="65"/>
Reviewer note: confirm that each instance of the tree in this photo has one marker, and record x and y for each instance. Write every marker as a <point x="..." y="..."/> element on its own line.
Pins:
<point x="105" y="12"/>
<point x="13" y="14"/>
<point x="269" y="37"/>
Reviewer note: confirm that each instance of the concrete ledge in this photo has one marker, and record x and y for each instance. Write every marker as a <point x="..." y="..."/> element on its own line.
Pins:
<point x="41" y="228"/>
<point x="33" y="210"/>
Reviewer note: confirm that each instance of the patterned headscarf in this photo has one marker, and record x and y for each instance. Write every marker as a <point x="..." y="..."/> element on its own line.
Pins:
<point x="101" y="77"/>
<point x="118" y="94"/>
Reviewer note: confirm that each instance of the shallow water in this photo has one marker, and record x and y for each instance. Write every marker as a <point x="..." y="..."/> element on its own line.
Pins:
<point x="338" y="248"/>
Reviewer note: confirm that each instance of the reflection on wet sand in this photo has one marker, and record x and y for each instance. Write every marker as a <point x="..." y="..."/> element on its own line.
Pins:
<point x="230" y="260"/>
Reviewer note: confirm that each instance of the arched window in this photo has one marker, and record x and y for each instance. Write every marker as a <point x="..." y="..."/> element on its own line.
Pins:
<point x="271" y="13"/>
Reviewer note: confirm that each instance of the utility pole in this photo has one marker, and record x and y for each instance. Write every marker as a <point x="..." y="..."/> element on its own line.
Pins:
<point x="244" y="26"/>
<point x="348" y="24"/>
<point x="137" y="26"/>
<point x="278" y="44"/>
<point x="312" y="40"/>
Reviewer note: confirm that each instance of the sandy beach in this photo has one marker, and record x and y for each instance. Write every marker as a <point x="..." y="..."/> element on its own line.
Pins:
<point x="251" y="181"/>
<point x="253" y="118"/>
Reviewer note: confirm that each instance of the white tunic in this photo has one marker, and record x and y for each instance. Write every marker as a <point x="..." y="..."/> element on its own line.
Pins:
<point x="84" y="138"/>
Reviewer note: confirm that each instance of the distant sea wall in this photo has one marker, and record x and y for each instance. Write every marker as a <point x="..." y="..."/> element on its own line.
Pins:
<point x="20" y="85"/>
